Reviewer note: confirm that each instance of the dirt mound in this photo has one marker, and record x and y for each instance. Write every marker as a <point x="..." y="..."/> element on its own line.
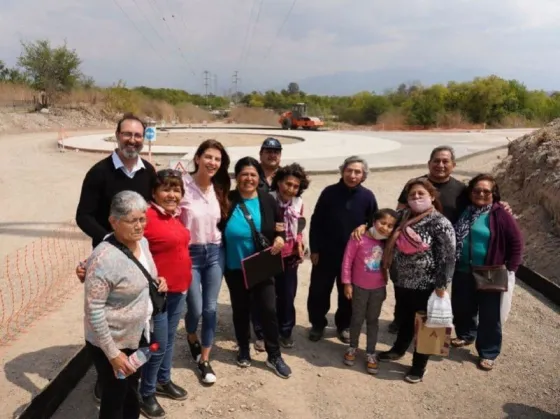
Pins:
<point x="54" y="119"/>
<point x="529" y="178"/>
<point x="257" y="116"/>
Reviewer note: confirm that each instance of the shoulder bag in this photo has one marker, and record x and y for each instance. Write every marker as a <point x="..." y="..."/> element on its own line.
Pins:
<point x="261" y="242"/>
<point x="488" y="278"/>
<point x="159" y="299"/>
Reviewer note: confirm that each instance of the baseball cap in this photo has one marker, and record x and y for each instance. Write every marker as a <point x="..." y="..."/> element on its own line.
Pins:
<point x="271" y="144"/>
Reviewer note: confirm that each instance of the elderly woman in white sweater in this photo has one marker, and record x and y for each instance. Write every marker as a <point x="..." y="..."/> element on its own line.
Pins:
<point x="118" y="306"/>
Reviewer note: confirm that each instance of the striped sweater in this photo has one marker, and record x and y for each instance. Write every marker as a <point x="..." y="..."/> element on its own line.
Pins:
<point x="117" y="302"/>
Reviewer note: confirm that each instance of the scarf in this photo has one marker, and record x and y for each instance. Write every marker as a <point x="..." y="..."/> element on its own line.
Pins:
<point x="292" y="212"/>
<point x="463" y="226"/>
<point x="406" y="220"/>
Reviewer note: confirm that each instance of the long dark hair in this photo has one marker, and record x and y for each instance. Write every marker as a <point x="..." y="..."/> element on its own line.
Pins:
<point x="426" y="184"/>
<point x="221" y="180"/>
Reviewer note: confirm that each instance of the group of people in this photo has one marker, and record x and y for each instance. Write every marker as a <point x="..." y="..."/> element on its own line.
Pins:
<point x="163" y="241"/>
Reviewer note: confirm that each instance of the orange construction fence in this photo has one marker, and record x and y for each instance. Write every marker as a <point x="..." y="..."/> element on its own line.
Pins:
<point x="38" y="277"/>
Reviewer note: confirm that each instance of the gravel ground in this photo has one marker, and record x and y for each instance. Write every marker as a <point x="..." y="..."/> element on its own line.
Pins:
<point x="524" y="384"/>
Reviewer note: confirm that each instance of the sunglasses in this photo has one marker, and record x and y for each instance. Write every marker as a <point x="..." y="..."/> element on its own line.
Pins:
<point x="480" y="191"/>
<point x="165" y="173"/>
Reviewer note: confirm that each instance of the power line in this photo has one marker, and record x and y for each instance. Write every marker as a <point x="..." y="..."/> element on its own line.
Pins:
<point x="244" y="46"/>
<point x="280" y="29"/>
<point x="235" y="80"/>
<point x="206" y="77"/>
<point x="148" y="20"/>
<point x="141" y="33"/>
<point x="254" y="27"/>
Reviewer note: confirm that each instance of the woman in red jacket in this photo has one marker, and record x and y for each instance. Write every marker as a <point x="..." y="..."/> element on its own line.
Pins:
<point x="168" y="239"/>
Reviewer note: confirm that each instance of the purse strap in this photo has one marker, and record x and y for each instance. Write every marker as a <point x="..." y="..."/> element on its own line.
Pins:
<point x="250" y="221"/>
<point x="113" y="240"/>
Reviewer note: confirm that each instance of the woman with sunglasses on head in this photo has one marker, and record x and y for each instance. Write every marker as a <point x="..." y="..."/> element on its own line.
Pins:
<point x="487" y="235"/>
<point x="204" y="205"/>
<point x="168" y="240"/>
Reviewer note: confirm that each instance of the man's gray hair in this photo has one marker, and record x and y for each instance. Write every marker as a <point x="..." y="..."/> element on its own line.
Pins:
<point x="355" y="159"/>
<point x="441" y="148"/>
<point x="125" y="202"/>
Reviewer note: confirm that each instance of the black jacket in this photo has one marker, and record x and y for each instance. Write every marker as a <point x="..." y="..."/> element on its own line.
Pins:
<point x="271" y="216"/>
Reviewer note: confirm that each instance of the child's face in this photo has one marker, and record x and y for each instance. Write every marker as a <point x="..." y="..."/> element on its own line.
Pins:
<point x="385" y="225"/>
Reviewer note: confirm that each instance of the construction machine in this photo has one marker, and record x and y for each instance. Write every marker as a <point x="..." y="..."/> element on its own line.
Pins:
<point x="297" y="117"/>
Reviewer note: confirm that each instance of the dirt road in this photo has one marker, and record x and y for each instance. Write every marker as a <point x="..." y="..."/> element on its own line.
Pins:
<point x="525" y="382"/>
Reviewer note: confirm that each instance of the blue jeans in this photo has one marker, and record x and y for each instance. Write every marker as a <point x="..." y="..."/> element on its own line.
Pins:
<point x="468" y="304"/>
<point x="202" y="299"/>
<point x="158" y="367"/>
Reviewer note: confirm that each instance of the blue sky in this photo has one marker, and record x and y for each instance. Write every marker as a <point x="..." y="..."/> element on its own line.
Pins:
<point x="323" y="42"/>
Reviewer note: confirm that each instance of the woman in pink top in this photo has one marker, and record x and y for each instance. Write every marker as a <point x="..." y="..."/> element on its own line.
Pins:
<point x="364" y="284"/>
<point x="205" y="203"/>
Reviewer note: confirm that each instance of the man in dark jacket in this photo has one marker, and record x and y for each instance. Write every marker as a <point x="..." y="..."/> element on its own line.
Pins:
<point x="339" y="210"/>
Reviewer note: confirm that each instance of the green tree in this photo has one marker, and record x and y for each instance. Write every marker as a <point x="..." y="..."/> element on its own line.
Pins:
<point x="293" y="88"/>
<point x="51" y="69"/>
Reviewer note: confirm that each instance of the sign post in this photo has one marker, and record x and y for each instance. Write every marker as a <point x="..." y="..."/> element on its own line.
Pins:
<point x="150" y="135"/>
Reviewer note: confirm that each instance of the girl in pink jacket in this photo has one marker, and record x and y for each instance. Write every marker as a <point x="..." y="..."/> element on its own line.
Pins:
<point x="364" y="284"/>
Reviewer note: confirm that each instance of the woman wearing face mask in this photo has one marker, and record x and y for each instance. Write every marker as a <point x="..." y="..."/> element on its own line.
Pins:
<point x="239" y="244"/>
<point x="420" y="256"/>
<point x="204" y="205"/>
<point x="288" y="184"/>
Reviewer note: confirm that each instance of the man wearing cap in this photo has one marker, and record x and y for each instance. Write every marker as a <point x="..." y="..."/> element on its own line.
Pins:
<point x="270" y="156"/>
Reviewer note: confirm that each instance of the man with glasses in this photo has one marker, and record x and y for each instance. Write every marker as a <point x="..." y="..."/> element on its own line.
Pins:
<point x="123" y="170"/>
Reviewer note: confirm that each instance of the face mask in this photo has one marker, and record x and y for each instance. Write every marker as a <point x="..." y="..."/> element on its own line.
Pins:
<point x="420" y="205"/>
<point x="376" y="234"/>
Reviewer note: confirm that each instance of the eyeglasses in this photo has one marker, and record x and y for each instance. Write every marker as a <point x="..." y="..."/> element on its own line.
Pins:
<point x="134" y="221"/>
<point x="480" y="191"/>
<point x="162" y="174"/>
<point x="127" y="135"/>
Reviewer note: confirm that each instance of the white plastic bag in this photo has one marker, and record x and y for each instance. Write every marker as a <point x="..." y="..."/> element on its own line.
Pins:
<point x="506" y="298"/>
<point x="439" y="311"/>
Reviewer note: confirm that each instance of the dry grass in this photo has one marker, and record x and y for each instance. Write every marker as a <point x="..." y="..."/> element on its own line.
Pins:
<point x="243" y="115"/>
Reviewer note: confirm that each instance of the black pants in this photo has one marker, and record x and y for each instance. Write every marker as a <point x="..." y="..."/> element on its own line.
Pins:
<point x="119" y="398"/>
<point x="396" y="319"/>
<point x="323" y="277"/>
<point x="263" y="298"/>
<point x="409" y="302"/>
<point x="286" y="288"/>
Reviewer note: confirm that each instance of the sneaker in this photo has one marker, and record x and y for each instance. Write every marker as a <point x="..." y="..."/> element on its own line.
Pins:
<point x="287" y="342"/>
<point x="315" y="334"/>
<point x="207" y="374"/>
<point x="244" y="357"/>
<point x="414" y="377"/>
<point x="344" y="336"/>
<point x="196" y="349"/>
<point x="371" y="364"/>
<point x="97" y="391"/>
<point x="350" y="356"/>
<point x="389" y="356"/>
<point x="259" y="345"/>
<point x="279" y="366"/>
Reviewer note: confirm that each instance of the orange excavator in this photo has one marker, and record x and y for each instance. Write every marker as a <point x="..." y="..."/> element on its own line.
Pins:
<point x="297" y="118"/>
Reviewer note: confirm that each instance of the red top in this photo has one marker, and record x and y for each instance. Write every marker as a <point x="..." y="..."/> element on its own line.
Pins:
<point x="169" y="244"/>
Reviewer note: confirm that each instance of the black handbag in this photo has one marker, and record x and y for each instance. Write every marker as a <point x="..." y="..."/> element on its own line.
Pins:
<point x="159" y="299"/>
<point x="261" y="242"/>
<point x="488" y="278"/>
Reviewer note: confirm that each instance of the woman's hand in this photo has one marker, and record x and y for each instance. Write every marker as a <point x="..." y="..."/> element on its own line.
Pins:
<point x="440" y="292"/>
<point x="81" y="271"/>
<point x="300" y="250"/>
<point x="359" y="232"/>
<point x="314" y="258"/>
<point x="122" y="364"/>
<point x="162" y="284"/>
<point x="277" y="245"/>
<point x="348" y="291"/>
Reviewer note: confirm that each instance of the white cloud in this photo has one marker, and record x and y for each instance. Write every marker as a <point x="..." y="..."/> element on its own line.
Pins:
<point x="321" y="37"/>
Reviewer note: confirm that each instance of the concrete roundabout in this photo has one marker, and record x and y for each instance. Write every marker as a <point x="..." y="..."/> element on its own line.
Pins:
<point x="323" y="151"/>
